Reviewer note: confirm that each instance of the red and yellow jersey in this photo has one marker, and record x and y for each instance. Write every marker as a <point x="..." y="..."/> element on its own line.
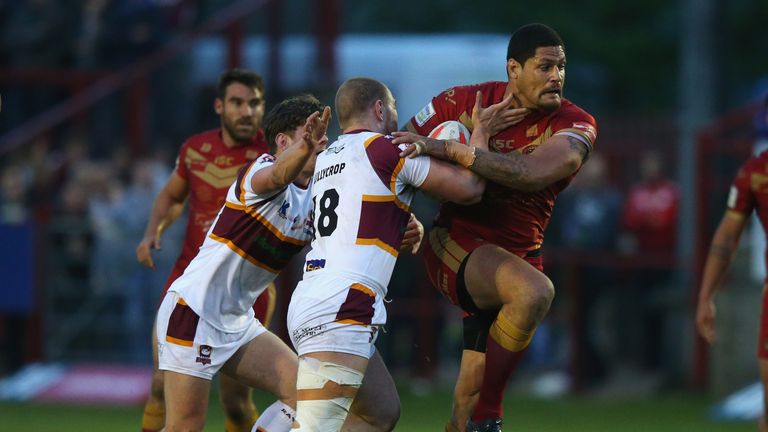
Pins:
<point x="209" y="167"/>
<point x="514" y="220"/>
<point x="749" y="190"/>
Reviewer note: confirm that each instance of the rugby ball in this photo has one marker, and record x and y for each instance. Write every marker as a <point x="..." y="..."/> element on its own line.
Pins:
<point x="451" y="130"/>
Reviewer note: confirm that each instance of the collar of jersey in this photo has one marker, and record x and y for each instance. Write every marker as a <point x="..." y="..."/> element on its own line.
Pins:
<point x="355" y="131"/>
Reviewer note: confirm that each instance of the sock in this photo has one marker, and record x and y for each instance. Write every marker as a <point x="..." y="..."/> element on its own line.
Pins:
<point x="154" y="417"/>
<point x="278" y="417"/>
<point x="505" y="346"/>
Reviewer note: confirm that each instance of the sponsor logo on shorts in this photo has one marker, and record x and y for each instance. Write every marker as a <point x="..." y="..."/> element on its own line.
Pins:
<point x="302" y="333"/>
<point x="204" y="356"/>
<point x="314" y="264"/>
<point x="425" y="114"/>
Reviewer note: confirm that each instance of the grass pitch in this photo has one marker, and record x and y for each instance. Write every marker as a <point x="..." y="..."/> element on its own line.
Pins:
<point x="677" y="412"/>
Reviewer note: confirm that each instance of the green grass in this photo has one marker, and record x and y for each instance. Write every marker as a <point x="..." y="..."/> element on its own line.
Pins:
<point x="679" y="412"/>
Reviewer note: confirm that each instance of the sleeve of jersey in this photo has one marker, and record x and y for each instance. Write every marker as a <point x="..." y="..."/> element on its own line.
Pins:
<point x="740" y="198"/>
<point x="414" y="170"/>
<point x="441" y="108"/>
<point x="243" y="188"/>
<point x="579" y="125"/>
<point x="181" y="163"/>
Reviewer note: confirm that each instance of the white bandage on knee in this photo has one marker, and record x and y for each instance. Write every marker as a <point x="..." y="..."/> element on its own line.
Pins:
<point x="278" y="417"/>
<point x="314" y="412"/>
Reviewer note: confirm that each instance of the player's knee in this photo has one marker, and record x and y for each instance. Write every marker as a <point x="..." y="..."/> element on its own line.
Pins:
<point x="538" y="298"/>
<point x="387" y="416"/>
<point x="156" y="391"/>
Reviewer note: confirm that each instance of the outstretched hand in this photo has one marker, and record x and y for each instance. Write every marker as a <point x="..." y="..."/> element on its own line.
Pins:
<point x="497" y="117"/>
<point x="315" y="129"/>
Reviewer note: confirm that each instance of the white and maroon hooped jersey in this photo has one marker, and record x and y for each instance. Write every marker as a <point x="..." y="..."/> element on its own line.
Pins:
<point x="252" y="239"/>
<point x="361" y="192"/>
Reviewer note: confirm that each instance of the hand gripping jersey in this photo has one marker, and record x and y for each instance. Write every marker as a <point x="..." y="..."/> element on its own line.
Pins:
<point x="514" y="220"/>
<point x="252" y="239"/>
<point x="361" y="193"/>
<point x="209" y="167"/>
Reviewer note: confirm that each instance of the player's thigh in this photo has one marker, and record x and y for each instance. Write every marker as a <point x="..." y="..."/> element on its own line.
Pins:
<point x="265" y="363"/>
<point x="186" y="401"/>
<point x="377" y="400"/>
<point x="495" y="277"/>
<point x="232" y="392"/>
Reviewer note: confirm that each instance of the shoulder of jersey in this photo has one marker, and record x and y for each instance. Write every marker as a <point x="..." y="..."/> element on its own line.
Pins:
<point x="209" y="136"/>
<point x="569" y="107"/>
<point x="471" y="89"/>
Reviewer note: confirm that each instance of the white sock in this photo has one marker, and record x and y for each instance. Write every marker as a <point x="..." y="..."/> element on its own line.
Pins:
<point x="278" y="417"/>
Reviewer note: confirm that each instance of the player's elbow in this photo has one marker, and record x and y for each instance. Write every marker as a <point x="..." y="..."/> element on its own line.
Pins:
<point x="470" y="193"/>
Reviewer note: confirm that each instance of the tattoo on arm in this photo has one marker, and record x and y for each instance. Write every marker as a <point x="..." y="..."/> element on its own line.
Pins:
<point x="500" y="168"/>
<point x="578" y="146"/>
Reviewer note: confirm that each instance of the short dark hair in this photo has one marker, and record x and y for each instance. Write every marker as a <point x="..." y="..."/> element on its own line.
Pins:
<point x="243" y="76"/>
<point x="357" y="95"/>
<point x="525" y="40"/>
<point x="289" y="115"/>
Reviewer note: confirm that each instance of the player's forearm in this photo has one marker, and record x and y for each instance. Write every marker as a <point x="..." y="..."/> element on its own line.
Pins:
<point x="289" y="164"/>
<point x="165" y="211"/>
<point x="718" y="262"/>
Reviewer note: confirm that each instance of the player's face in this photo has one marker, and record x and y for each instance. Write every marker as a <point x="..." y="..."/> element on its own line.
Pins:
<point x="540" y="80"/>
<point x="241" y="111"/>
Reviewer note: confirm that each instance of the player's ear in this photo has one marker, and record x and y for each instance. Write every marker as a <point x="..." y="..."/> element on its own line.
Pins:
<point x="513" y="69"/>
<point x="218" y="106"/>
<point x="379" y="109"/>
<point x="281" y="141"/>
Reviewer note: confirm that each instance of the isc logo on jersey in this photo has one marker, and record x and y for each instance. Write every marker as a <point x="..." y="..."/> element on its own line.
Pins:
<point x="451" y="130"/>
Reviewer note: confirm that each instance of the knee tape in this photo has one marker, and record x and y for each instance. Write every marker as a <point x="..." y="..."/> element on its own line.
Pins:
<point x="508" y="335"/>
<point x="325" y="392"/>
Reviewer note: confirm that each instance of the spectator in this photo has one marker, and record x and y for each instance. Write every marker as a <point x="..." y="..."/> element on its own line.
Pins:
<point x="590" y="223"/>
<point x="650" y="221"/>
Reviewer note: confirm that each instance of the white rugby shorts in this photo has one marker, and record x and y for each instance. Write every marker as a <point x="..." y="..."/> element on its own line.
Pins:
<point x="335" y="314"/>
<point x="187" y="344"/>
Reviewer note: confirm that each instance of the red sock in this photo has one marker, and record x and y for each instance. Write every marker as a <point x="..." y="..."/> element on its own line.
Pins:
<point x="499" y="365"/>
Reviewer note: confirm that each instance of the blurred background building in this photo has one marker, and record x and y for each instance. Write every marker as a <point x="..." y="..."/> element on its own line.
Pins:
<point x="97" y="96"/>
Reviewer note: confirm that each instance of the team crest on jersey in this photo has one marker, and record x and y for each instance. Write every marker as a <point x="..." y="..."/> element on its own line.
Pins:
<point x="425" y="114"/>
<point x="204" y="356"/>
<point x="206" y="147"/>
